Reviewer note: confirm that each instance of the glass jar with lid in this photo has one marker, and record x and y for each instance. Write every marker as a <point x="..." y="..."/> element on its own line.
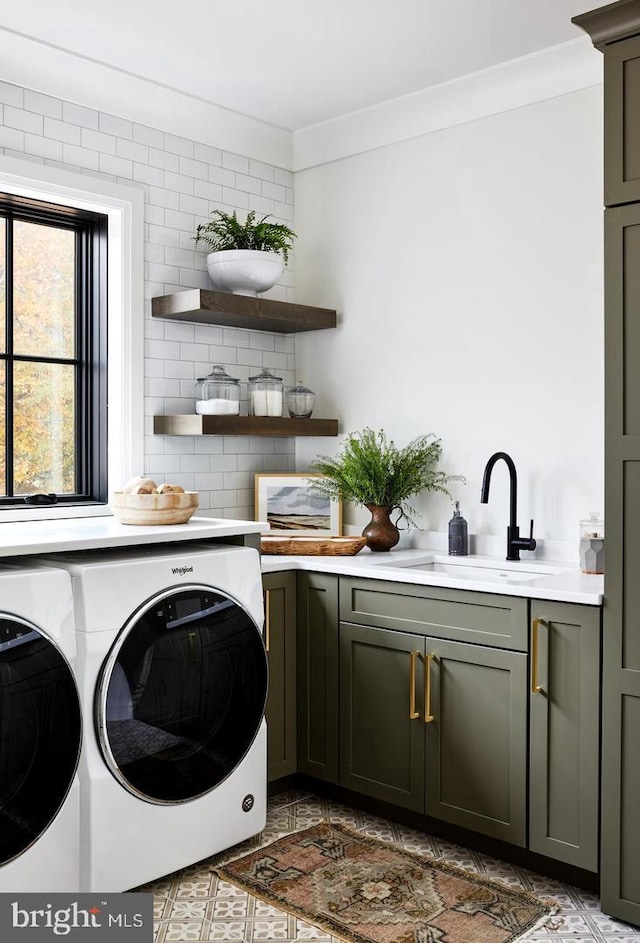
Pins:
<point x="299" y="400"/>
<point x="218" y="394"/>
<point x="265" y="394"/>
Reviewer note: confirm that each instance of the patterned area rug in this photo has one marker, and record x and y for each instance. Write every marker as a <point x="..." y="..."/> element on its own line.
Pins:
<point x="363" y="890"/>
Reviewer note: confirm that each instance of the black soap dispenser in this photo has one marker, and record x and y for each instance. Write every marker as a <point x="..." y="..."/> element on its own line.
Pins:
<point x="458" y="537"/>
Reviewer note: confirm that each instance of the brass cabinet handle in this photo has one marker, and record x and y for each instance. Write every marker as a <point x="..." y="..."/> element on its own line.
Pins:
<point x="535" y="687"/>
<point x="413" y="713"/>
<point x="267" y="618"/>
<point x="428" y="716"/>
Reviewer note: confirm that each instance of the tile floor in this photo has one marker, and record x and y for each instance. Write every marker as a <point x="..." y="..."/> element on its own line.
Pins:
<point x="195" y="905"/>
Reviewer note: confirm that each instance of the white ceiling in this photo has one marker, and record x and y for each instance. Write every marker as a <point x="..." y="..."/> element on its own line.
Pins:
<point x="294" y="63"/>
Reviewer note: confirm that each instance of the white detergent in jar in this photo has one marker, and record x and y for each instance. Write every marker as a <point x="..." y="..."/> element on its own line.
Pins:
<point x="217" y="407"/>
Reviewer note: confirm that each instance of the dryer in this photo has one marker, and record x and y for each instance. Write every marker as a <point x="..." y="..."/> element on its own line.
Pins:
<point x="172" y="672"/>
<point x="40" y="733"/>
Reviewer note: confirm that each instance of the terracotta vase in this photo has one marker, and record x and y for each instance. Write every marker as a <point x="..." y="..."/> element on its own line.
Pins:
<point x="381" y="533"/>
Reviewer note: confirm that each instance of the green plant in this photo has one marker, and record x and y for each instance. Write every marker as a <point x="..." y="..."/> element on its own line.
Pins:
<point x="371" y="470"/>
<point x="227" y="232"/>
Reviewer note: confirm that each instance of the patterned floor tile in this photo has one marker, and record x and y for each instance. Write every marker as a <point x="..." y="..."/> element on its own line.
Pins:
<point x="195" y="905"/>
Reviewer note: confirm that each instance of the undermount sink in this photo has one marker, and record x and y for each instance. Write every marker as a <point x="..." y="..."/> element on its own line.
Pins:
<point x="465" y="572"/>
<point x="493" y="570"/>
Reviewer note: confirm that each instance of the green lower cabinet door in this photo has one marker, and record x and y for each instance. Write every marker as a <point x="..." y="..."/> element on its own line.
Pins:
<point x="317" y="655"/>
<point x="476" y="732"/>
<point x="381" y="714"/>
<point x="280" y="640"/>
<point x="565" y="732"/>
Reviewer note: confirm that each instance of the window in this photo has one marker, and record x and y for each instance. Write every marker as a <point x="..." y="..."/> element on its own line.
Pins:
<point x="53" y="353"/>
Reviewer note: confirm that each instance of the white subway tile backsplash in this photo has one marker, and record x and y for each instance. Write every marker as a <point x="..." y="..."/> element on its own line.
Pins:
<point x="120" y="127"/>
<point x="158" y="196"/>
<point x="78" y="114"/>
<point x="12" y="95"/>
<point x="194" y="168"/>
<point x="80" y="156"/>
<point x="235" y="162"/>
<point x="193" y="279"/>
<point x="208" y="191"/>
<point x="250" y="184"/>
<point x="264" y="171"/>
<point x="179" y="182"/>
<point x="183" y="181"/>
<point x="235" y="198"/>
<point x="145" y="174"/>
<point x="222" y="175"/>
<point x="208" y="154"/>
<point x="159" y="158"/>
<point x="194" y="204"/>
<point x="163" y="273"/>
<point x="116" y="165"/>
<point x="178" y="145"/>
<point x="98" y="141"/>
<point x="150" y="136"/>
<point x="23" y="120"/>
<point x="43" y="147"/>
<point x="11" y="138"/>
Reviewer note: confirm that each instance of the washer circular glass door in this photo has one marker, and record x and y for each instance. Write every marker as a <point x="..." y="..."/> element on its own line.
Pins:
<point x="181" y="695"/>
<point x="40" y="734"/>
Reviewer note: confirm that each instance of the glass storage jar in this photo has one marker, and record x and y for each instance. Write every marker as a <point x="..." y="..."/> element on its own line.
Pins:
<point x="218" y="394"/>
<point x="300" y="400"/>
<point x="265" y="394"/>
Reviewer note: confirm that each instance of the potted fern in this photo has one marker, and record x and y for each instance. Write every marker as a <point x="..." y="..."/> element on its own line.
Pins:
<point x="244" y="258"/>
<point x="371" y="471"/>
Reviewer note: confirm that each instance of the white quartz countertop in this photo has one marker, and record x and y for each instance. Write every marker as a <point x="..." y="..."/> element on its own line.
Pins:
<point x="531" y="578"/>
<point x="93" y="533"/>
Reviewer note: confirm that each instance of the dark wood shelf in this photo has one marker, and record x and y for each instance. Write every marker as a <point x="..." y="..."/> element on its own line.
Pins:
<point x="258" y="314"/>
<point x="193" y="424"/>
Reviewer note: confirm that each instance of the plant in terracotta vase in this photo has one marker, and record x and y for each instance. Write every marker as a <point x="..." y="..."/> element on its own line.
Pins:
<point x="372" y="471"/>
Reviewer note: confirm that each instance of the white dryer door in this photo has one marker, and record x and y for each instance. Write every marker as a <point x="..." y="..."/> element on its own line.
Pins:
<point x="181" y="694"/>
<point x="40" y="734"/>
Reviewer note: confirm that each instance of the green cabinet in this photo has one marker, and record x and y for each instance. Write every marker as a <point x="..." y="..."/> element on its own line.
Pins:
<point x="280" y="641"/>
<point x="430" y="724"/>
<point x="317" y="674"/>
<point x="615" y="30"/>
<point x="565" y="732"/>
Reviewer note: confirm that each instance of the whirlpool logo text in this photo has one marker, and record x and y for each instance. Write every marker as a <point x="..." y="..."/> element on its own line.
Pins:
<point x="121" y="917"/>
<point x="181" y="570"/>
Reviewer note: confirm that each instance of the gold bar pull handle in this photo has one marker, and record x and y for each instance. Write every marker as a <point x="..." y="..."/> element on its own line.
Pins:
<point x="267" y="618"/>
<point x="413" y="713"/>
<point x="428" y="716"/>
<point x="535" y="687"/>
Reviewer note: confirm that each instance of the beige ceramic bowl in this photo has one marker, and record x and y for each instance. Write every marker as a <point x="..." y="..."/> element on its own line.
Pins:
<point x="154" y="508"/>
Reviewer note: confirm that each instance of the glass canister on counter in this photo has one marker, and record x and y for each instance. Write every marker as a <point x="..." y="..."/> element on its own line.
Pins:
<point x="592" y="544"/>
<point x="265" y="394"/>
<point x="218" y="394"/>
<point x="300" y="400"/>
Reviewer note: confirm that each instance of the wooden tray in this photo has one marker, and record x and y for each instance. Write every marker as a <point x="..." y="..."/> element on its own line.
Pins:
<point x="316" y="546"/>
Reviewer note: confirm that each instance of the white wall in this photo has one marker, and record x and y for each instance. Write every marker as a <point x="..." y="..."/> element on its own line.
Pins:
<point x="466" y="266"/>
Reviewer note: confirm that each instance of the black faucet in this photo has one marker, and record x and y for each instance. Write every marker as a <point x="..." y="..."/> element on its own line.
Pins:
<point x="515" y="543"/>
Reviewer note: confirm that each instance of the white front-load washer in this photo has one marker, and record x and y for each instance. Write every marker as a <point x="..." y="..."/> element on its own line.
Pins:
<point x="172" y="672"/>
<point x="40" y="733"/>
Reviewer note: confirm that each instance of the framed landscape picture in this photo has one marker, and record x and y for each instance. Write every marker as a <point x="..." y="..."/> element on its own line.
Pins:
<point x="292" y="508"/>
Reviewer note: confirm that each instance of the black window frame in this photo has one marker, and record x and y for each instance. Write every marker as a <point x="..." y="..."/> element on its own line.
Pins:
<point x="90" y="353"/>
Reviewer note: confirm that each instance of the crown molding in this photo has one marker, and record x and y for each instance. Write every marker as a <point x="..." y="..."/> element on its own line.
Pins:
<point x="53" y="71"/>
<point x="611" y="23"/>
<point x="556" y="71"/>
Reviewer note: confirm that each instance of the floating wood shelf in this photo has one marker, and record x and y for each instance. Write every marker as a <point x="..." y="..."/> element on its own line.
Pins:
<point x="194" y="424"/>
<point x="258" y="314"/>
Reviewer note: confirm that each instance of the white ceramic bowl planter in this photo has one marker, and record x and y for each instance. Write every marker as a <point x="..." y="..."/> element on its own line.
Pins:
<point x="244" y="271"/>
